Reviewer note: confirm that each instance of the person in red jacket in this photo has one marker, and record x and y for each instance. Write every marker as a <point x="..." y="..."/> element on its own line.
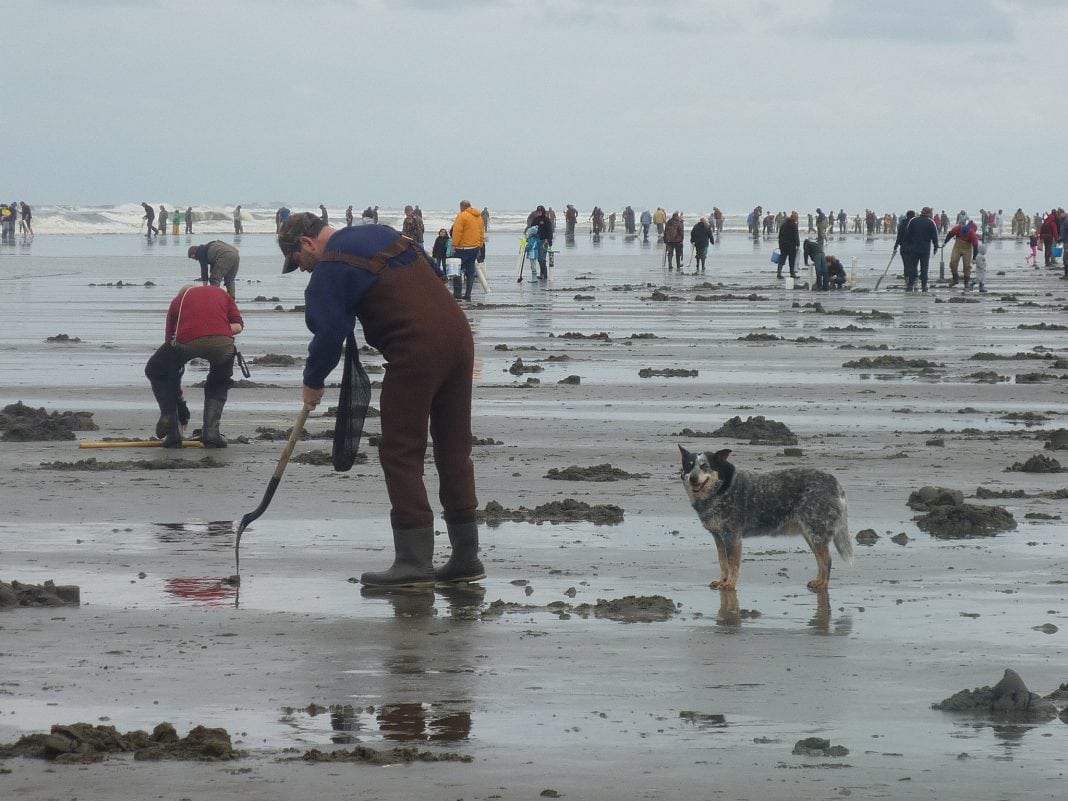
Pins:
<point x="1049" y="232"/>
<point x="964" y="249"/>
<point x="202" y="322"/>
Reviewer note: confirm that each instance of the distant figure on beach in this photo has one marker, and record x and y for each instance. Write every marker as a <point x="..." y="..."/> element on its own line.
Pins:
<point x="843" y="221"/>
<point x="814" y="251"/>
<point x="439" y="252"/>
<point x="1021" y="224"/>
<point x="717" y="218"/>
<point x="485" y="218"/>
<point x="162" y="219"/>
<point x="323" y="214"/>
<point x="753" y="220"/>
<point x="811" y="225"/>
<point x="964" y="249"/>
<point x="570" y="220"/>
<point x="374" y="215"/>
<point x="539" y="219"/>
<point x="348" y="217"/>
<point x="280" y="217"/>
<point x="659" y="220"/>
<point x="1063" y="216"/>
<point x="611" y="221"/>
<point x="219" y="263"/>
<point x="646" y="220"/>
<point x="596" y="221"/>
<point x="468" y="243"/>
<point x="176" y="221"/>
<point x="789" y="244"/>
<point x="7" y="222"/>
<point x="836" y="274"/>
<point x="412" y="227"/>
<point x="202" y="322"/>
<point x="628" y="220"/>
<point x="189" y="219"/>
<point x="821" y="227"/>
<point x="917" y="237"/>
<point x="700" y="238"/>
<point x="239" y="227"/>
<point x="25" y="219"/>
<point x="372" y="274"/>
<point x="150" y="220"/>
<point x="1032" y="241"/>
<point x="674" y="233"/>
<point x="1048" y="232"/>
<point x="552" y="218"/>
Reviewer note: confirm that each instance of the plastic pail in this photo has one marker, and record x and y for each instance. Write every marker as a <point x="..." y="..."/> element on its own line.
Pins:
<point x="775" y="256"/>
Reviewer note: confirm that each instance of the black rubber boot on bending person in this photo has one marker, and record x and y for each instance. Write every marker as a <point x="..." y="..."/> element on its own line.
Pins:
<point x="209" y="435"/>
<point x="413" y="563"/>
<point x="464" y="564"/>
<point x="168" y="430"/>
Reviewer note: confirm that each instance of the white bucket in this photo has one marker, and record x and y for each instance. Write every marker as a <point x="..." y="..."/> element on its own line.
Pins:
<point x="788" y="282"/>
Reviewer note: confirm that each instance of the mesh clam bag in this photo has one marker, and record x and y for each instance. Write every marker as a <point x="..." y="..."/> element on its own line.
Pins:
<point x="352" y="408"/>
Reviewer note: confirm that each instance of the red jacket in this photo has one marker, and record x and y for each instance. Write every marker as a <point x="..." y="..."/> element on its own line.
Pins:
<point x="971" y="237"/>
<point x="202" y="311"/>
<point x="1050" y="228"/>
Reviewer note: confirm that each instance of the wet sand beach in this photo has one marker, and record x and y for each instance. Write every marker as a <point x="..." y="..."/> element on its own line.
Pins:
<point x="528" y="687"/>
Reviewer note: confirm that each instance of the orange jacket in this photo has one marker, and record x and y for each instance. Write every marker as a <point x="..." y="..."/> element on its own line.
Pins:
<point x="467" y="229"/>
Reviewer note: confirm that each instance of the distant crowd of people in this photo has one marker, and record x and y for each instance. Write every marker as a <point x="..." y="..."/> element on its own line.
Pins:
<point x="176" y="217"/>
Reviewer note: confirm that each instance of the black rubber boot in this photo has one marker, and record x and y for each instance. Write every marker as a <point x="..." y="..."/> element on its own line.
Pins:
<point x="413" y="563"/>
<point x="167" y="427"/>
<point x="457" y="287"/>
<point x="464" y="564"/>
<point x="467" y="288"/>
<point x="209" y="435"/>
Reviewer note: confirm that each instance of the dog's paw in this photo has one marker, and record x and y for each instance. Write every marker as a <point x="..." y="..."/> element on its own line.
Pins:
<point x="817" y="586"/>
<point x="722" y="584"/>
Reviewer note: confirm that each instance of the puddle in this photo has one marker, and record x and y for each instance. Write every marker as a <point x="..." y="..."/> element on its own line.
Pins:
<point x="410" y="722"/>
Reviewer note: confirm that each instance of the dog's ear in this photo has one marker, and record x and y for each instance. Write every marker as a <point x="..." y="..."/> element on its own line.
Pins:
<point x="720" y="457"/>
<point x="687" y="458"/>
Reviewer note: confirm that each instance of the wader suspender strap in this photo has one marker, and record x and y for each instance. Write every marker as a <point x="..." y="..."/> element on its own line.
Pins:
<point x="178" y="319"/>
<point x="376" y="263"/>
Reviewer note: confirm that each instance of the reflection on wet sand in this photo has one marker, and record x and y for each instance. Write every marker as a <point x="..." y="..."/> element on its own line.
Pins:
<point x="731" y="615"/>
<point x="214" y="533"/>
<point x="201" y="591"/>
<point x="401" y="715"/>
<point x="403" y="722"/>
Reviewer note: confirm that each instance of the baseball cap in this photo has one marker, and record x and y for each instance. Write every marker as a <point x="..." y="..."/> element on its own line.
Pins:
<point x="298" y="225"/>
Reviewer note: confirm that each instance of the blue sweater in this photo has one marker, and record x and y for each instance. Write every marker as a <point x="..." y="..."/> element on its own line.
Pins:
<point x="334" y="294"/>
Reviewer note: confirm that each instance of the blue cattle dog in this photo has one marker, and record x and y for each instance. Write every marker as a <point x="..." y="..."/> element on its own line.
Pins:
<point x="734" y="504"/>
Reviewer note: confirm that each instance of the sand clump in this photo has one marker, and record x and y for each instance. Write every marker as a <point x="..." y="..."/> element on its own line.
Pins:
<point x="947" y="516"/>
<point x="1009" y="699"/>
<point x="47" y="594"/>
<point x="79" y="743"/>
<point x="757" y="431"/>
<point x="166" y="463"/>
<point x="566" y="511"/>
<point x="599" y="472"/>
<point x="1039" y="463"/>
<point x="389" y="756"/>
<point x="21" y="423"/>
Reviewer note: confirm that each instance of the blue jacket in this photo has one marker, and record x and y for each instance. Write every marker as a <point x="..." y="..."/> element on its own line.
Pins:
<point x="334" y="293"/>
<point x="916" y="235"/>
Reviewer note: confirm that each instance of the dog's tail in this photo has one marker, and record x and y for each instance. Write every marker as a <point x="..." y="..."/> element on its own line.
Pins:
<point x="842" y="541"/>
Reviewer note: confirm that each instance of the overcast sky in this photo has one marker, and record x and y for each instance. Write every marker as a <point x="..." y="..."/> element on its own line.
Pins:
<point x="681" y="103"/>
